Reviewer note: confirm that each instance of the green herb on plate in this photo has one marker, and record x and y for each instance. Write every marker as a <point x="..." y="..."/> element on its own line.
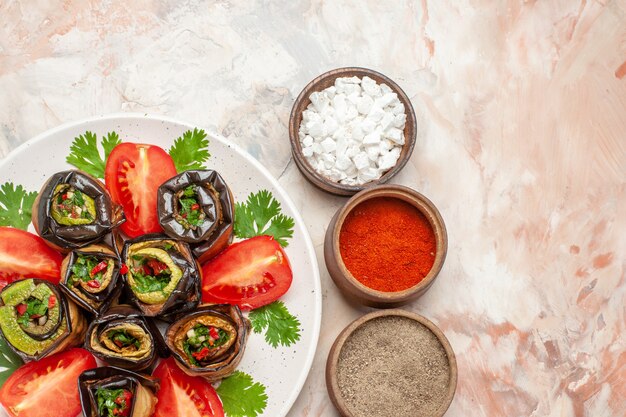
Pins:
<point x="9" y="361"/>
<point x="260" y="215"/>
<point x="241" y="396"/>
<point x="84" y="153"/>
<point x="15" y="205"/>
<point x="190" y="151"/>
<point x="279" y="324"/>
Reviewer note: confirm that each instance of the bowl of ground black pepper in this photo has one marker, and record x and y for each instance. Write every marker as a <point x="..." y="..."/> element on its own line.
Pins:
<point x="385" y="246"/>
<point x="391" y="363"/>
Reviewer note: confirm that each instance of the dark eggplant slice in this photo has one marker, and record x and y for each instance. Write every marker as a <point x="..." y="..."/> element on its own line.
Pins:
<point x="210" y="341"/>
<point x="90" y="277"/>
<point x="74" y="209"/>
<point x="123" y="337"/>
<point x="163" y="277"/>
<point x="136" y="393"/>
<point x="37" y="320"/>
<point x="197" y="207"/>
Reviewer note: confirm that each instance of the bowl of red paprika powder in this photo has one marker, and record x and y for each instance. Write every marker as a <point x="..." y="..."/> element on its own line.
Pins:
<point x="385" y="246"/>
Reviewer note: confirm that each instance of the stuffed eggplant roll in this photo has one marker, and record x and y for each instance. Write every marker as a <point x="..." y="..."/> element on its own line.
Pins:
<point x="163" y="278"/>
<point x="115" y="392"/>
<point x="37" y="320"/>
<point x="73" y="209"/>
<point x="210" y="341"/>
<point x="197" y="207"/>
<point x="90" y="277"/>
<point x="123" y="337"/>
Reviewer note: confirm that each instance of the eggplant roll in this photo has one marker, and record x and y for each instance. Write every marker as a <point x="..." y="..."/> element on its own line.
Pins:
<point x="123" y="337"/>
<point x="163" y="278"/>
<point x="74" y="209"/>
<point x="37" y="320"/>
<point x="210" y="341"/>
<point x="197" y="207"/>
<point x="109" y="391"/>
<point x="90" y="277"/>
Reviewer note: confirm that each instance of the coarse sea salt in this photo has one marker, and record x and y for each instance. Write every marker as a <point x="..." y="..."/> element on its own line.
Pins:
<point x="353" y="131"/>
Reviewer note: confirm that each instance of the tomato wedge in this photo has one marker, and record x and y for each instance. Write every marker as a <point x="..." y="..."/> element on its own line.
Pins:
<point x="133" y="174"/>
<point x="250" y="274"/>
<point x="25" y="255"/>
<point x="47" y="388"/>
<point x="182" y="395"/>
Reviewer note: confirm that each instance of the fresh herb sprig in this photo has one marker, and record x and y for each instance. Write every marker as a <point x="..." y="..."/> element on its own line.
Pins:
<point x="261" y="215"/>
<point x="281" y="327"/>
<point x="9" y="361"/>
<point x="85" y="155"/>
<point x="16" y="205"/>
<point x="190" y="151"/>
<point x="241" y="396"/>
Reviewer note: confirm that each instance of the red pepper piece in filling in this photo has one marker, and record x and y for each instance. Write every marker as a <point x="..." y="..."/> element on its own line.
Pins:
<point x="93" y="284"/>
<point x="124" y="269"/>
<point x="21" y="309"/>
<point x="214" y="333"/>
<point x="102" y="266"/>
<point x="195" y="206"/>
<point x="52" y="301"/>
<point x="201" y="354"/>
<point x="157" y="266"/>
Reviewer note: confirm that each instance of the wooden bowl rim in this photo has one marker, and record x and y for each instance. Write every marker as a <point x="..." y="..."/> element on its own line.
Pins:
<point x="332" y="385"/>
<point x="296" y="149"/>
<point x="426" y="207"/>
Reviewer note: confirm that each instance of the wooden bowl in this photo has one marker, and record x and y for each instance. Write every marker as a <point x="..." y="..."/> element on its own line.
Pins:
<point x="324" y="81"/>
<point x="332" y="383"/>
<point x="349" y="285"/>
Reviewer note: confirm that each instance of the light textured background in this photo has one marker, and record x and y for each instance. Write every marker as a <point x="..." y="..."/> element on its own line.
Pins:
<point x="521" y="144"/>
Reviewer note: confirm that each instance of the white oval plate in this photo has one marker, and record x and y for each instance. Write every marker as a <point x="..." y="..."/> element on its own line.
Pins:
<point x="281" y="370"/>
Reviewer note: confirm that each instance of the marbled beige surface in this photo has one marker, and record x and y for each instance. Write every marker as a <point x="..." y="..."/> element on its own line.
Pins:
<point x="521" y="144"/>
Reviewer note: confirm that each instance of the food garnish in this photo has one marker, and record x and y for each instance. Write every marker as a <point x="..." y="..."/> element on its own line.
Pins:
<point x="190" y="151"/>
<point x="51" y="381"/>
<point x="16" y="205"/>
<point x="25" y="255"/>
<point x="249" y="274"/>
<point x="281" y="327"/>
<point x="84" y="153"/>
<point x="261" y="215"/>
<point x="242" y="396"/>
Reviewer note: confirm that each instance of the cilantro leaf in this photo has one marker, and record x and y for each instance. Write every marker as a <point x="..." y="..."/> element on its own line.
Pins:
<point x="241" y="396"/>
<point x="190" y="151"/>
<point x="279" y="324"/>
<point x="15" y="205"/>
<point x="84" y="153"/>
<point x="9" y="361"/>
<point x="260" y="215"/>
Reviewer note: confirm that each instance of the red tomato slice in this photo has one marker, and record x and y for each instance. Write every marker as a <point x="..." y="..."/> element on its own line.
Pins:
<point x="47" y="388"/>
<point x="182" y="395"/>
<point x="250" y="274"/>
<point x="25" y="255"/>
<point x="133" y="174"/>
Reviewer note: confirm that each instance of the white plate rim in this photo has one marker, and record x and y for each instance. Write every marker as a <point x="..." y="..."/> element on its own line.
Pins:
<point x="239" y="150"/>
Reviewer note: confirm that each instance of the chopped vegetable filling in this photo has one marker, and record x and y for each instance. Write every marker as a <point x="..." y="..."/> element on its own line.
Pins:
<point x="114" y="402"/>
<point x="150" y="274"/>
<point x="122" y="339"/>
<point x="70" y="206"/>
<point x="190" y="215"/>
<point x="201" y="340"/>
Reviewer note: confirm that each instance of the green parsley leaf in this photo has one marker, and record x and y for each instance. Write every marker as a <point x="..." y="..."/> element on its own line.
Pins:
<point x="279" y="324"/>
<point x="260" y="215"/>
<point x="15" y="205"/>
<point x="9" y="361"/>
<point x="86" y="156"/>
<point x="190" y="151"/>
<point x="241" y="396"/>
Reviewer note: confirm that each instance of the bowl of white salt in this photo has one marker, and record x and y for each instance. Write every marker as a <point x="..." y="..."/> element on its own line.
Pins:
<point x="350" y="129"/>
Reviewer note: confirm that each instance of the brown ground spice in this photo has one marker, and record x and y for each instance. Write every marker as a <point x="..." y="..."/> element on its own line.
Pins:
<point x="393" y="366"/>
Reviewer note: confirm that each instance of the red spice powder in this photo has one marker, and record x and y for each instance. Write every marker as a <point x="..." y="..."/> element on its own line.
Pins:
<point x="387" y="244"/>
